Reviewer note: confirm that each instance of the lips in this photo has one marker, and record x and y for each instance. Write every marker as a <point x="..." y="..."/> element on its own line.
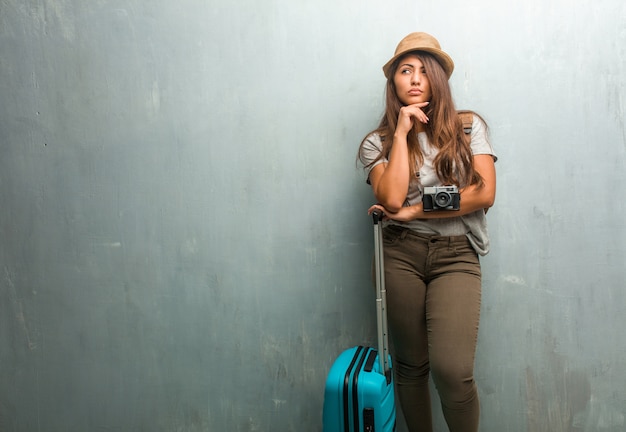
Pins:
<point x="415" y="92"/>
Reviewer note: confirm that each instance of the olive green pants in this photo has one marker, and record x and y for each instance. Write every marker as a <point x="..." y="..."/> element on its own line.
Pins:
<point x="433" y="305"/>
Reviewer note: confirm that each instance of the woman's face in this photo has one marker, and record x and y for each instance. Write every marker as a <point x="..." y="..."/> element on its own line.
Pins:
<point x="412" y="84"/>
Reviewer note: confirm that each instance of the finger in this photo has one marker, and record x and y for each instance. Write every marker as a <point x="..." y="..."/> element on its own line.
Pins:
<point x="421" y="119"/>
<point x="414" y="112"/>
<point x="420" y="116"/>
<point x="374" y="208"/>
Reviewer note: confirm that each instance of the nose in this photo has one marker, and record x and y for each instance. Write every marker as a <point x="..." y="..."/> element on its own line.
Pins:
<point x="416" y="78"/>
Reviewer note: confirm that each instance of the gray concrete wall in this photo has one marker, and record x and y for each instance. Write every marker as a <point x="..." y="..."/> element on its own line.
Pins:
<point x="184" y="244"/>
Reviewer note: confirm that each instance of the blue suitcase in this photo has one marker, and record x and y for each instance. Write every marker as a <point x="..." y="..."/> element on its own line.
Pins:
<point x="359" y="394"/>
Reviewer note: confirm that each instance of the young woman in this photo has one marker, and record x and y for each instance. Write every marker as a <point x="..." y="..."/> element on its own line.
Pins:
<point x="432" y="268"/>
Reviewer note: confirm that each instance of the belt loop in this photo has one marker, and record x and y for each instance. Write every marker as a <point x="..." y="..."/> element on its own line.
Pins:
<point x="452" y="244"/>
<point x="404" y="233"/>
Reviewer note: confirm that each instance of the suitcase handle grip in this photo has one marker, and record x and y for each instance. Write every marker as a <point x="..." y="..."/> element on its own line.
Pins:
<point x="377" y="215"/>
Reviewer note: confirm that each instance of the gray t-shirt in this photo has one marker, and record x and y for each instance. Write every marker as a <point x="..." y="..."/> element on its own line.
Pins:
<point x="474" y="225"/>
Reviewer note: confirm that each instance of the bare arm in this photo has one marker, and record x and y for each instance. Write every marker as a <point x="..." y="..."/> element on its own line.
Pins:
<point x="472" y="197"/>
<point x="390" y="181"/>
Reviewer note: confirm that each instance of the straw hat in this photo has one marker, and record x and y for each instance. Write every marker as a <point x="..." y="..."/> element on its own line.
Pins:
<point x="421" y="41"/>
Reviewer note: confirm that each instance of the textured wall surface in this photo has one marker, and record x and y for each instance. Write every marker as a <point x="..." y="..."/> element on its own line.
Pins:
<point x="183" y="237"/>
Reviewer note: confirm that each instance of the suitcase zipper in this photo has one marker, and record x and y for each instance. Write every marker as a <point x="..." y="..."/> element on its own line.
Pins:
<point x="346" y="389"/>
<point x="355" y="394"/>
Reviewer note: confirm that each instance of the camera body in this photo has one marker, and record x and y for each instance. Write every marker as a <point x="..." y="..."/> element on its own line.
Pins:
<point x="441" y="198"/>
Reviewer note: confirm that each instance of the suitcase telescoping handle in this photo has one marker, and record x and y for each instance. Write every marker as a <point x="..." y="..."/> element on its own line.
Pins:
<point x="381" y="297"/>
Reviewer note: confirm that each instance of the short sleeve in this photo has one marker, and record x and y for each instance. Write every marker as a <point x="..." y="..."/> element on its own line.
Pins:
<point x="480" y="143"/>
<point x="371" y="148"/>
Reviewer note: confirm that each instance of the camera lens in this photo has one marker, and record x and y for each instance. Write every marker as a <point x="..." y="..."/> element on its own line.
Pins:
<point x="443" y="199"/>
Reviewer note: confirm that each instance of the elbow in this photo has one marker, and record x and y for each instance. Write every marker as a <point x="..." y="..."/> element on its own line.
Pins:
<point x="392" y="202"/>
<point x="490" y="200"/>
<point x="392" y="206"/>
<point x="487" y="195"/>
<point x="393" y="209"/>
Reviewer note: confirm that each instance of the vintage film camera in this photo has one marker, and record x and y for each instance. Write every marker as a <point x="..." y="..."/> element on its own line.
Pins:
<point x="441" y="198"/>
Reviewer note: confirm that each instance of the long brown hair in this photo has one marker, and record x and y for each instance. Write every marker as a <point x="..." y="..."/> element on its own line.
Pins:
<point x="454" y="162"/>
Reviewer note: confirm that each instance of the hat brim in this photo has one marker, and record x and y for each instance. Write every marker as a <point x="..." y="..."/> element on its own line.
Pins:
<point x="442" y="58"/>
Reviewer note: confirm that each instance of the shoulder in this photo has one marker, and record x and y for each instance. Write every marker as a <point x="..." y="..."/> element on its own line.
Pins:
<point x="371" y="149"/>
<point x="480" y="142"/>
<point x="372" y="143"/>
<point x="373" y="138"/>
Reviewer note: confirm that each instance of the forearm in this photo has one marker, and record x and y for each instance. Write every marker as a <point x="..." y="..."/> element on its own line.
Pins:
<point x="392" y="182"/>
<point x="473" y="198"/>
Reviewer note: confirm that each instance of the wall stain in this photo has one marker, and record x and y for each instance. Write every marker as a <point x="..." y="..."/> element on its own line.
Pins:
<point x="561" y="400"/>
<point x="19" y="311"/>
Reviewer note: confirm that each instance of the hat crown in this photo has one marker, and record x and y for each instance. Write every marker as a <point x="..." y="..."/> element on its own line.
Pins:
<point x="420" y="41"/>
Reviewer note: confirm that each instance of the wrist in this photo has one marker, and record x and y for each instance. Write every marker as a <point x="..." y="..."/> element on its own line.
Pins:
<point x="399" y="138"/>
<point x="418" y="211"/>
<point x="407" y="214"/>
<point x="400" y="135"/>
